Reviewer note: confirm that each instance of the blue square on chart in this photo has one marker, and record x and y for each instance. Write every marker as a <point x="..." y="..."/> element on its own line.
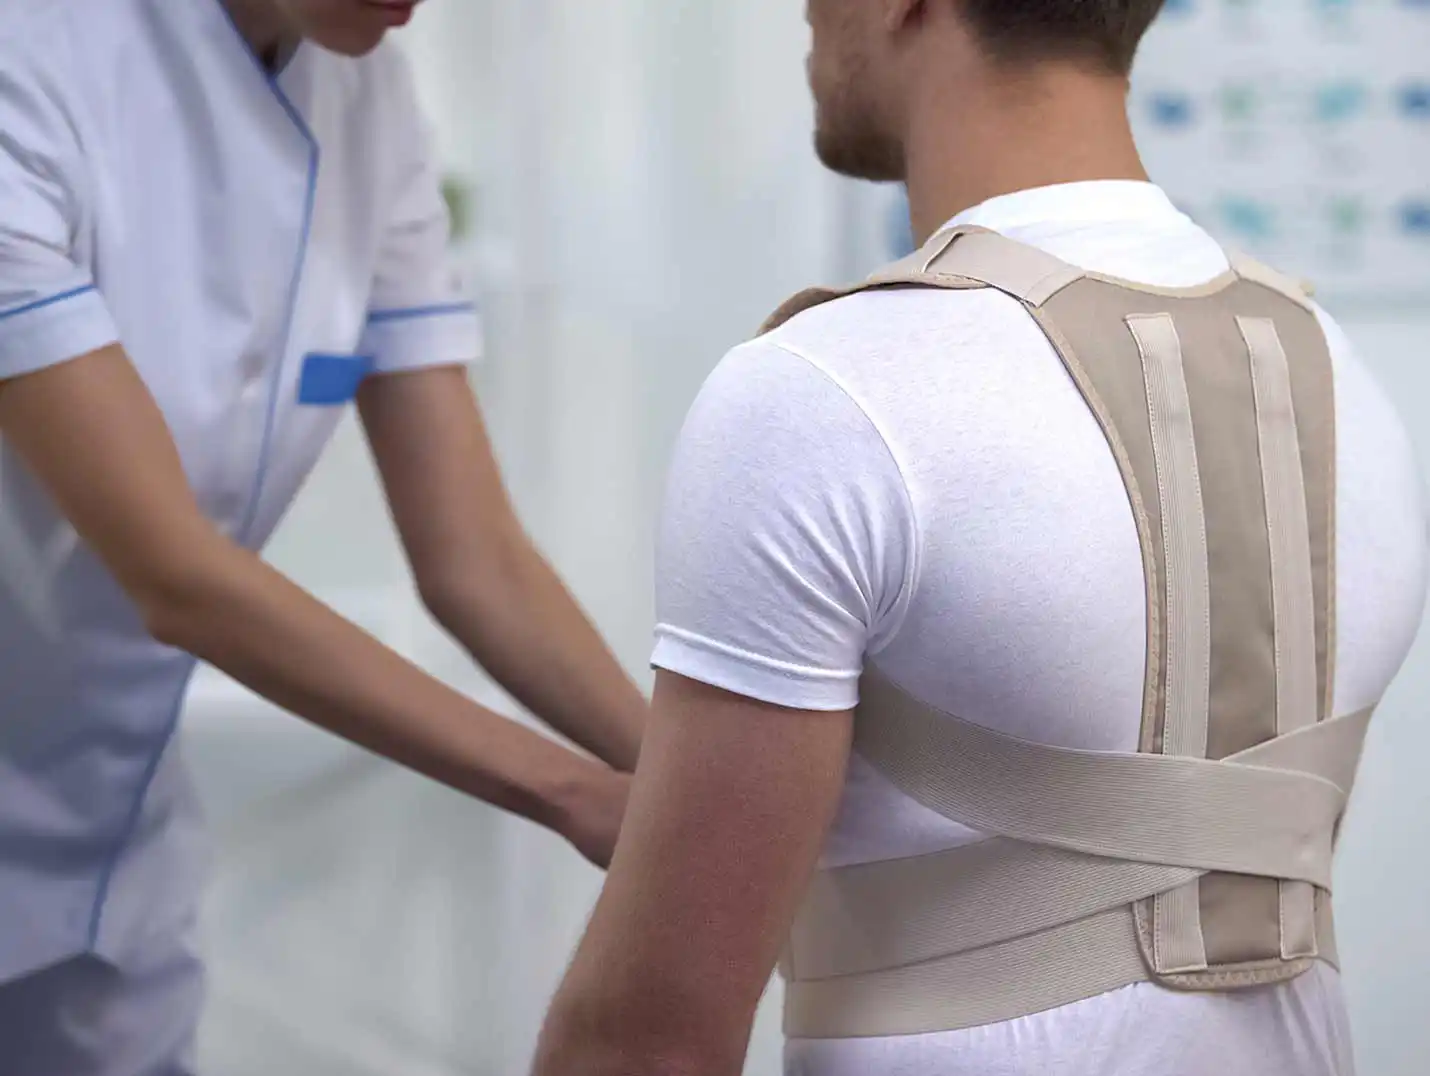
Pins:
<point x="1173" y="110"/>
<point x="1247" y="217"/>
<point x="1415" y="218"/>
<point x="1414" y="100"/>
<point x="1339" y="101"/>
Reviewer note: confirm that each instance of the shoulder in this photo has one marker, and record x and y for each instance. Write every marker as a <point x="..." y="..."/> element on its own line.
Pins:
<point x="388" y="64"/>
<point x="372" y="116"/>
<point x="871" y="326"/>
<point x="765" y="404"/>
<point x="40" y="91"/>
<point x="382" y="82"/>
<point x="1360" y="398"/>
<point x="788" y="537"/>
<point x="744" y="408"/>
<point x="57" y="43"/>
<point x="909" y="357"/>
<point x="771" y="424"/>
<point x="1382" y="512"/>
<point x="41" y="35"/>
<point x="35" y="21"/>
<point x="35" y="38"/>
<point x="1371" y="434"/>
<point x="768" y="382"/>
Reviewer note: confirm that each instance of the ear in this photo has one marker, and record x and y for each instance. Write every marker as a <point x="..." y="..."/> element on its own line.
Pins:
<point x="899" y="13"/>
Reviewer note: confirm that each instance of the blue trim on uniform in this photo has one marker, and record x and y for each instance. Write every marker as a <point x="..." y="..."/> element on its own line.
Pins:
<point x="314" y="154"/>
<point x="378" y="317"/>
<point x="101" y="895"/>
<point x="40" y="304"/>
<point x="250" y="517"/>
<point x="243" y="534"/>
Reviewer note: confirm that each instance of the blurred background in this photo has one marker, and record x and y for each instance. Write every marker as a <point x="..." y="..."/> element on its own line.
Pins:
<point x="635" y="190"/>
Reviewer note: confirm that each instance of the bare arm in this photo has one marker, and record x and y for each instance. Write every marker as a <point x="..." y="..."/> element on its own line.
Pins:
<point x="727" y="817"/>
<point x="479" y="573"/>
<point x="93" y="435"/>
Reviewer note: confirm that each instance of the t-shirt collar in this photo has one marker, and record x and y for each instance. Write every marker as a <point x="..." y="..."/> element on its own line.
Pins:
<point x="1089" y="201"/>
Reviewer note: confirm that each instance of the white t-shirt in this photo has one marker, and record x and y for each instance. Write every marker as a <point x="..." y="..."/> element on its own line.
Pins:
<point x="911" y="476"/>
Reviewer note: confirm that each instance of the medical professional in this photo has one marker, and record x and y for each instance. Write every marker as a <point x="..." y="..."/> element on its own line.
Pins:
<point x="220" y="222"/>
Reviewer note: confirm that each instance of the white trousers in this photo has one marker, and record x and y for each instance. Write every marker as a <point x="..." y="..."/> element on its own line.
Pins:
<point x="90" y="1017"/>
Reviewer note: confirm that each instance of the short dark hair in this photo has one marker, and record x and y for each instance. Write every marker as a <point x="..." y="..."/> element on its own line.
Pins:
<point x="1106" y="32"/>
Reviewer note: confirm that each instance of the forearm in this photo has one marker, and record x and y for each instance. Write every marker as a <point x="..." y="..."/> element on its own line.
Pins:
<point x="249" y="621"/>
<point x="519" y="621"/>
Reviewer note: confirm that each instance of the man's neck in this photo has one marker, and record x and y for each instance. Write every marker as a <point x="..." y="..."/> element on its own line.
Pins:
<point x="1060" y="125"/>
<point x="263" y="26"/>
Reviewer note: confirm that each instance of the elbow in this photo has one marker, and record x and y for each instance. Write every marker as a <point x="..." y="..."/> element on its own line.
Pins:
<point x="451" y="601"/>
<point x="477" y="583"/>
<point x="170" y="623"/>
<point x="443" y="597"/>
<point x="174" y="600"/>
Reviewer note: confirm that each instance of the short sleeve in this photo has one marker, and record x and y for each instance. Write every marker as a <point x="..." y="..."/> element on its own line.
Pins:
<point x="50" y="310"/>
<point x="787" y="544"/>
<point x="422" y="311"/>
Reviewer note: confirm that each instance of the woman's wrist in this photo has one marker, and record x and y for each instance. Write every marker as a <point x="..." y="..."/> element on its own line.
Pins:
<point x="585" y="803"/>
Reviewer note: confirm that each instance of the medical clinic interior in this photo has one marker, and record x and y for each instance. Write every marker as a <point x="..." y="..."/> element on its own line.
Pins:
<point x="633" y="188"/>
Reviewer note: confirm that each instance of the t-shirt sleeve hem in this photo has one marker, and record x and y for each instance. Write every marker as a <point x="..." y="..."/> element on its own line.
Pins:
<point x="754" y="677"/>
<point x="416" y="337"/>
<point x="54" y="330"/>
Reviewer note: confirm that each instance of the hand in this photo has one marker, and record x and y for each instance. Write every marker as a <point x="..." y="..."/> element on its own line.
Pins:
<point x="595" y="813"/>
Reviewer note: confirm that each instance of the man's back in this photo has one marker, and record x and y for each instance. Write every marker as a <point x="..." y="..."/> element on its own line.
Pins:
<point x="947" y="503"/>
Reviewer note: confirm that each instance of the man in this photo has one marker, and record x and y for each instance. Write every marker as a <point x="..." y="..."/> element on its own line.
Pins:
<point x="937" y="497"/>
<point x="219" y="222"/>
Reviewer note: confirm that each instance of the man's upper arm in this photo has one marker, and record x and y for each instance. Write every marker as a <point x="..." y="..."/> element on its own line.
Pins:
<point x="421" y="311"/>
<point x="785" y="552"/>
<point x="727" y="815"/>
<point x="50" y="310"/>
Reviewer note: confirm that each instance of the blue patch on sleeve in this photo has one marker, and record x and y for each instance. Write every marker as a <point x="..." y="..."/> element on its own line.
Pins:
<point x="331" y="380"/>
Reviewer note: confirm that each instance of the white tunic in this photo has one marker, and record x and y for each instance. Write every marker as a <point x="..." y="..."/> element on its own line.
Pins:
<point x="257" y="245"/>
<point x="911" y="476"/>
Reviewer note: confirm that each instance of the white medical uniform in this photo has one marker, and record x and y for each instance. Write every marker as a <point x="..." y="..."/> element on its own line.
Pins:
<point x="257" y="244"/>
<point x="912" y="475"/>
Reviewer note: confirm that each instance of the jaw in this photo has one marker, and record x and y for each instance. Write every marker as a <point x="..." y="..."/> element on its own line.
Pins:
<point x="852" y="143"/>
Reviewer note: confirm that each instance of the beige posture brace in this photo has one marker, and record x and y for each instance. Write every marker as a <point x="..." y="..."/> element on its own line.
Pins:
<point x="1203" y="862"/>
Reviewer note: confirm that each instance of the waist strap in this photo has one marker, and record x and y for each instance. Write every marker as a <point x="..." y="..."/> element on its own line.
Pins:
<point x="1042" y="915"/>
<point x="1000" y="982"/>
